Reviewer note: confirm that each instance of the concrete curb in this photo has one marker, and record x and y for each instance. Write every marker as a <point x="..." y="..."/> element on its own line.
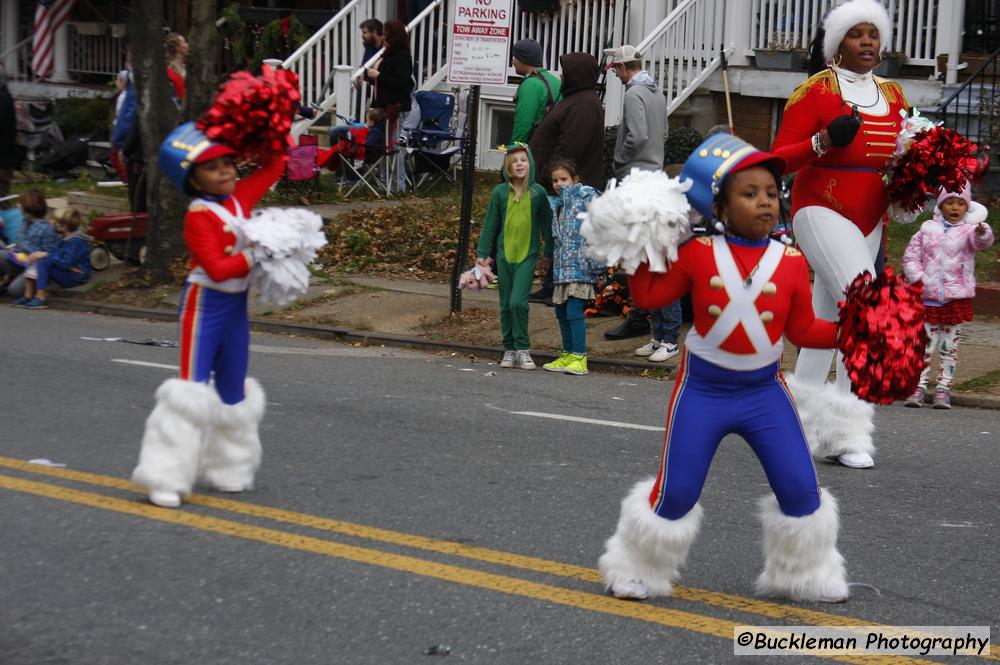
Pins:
<point x="971" y="401"/>
<point x="348" y="335"/>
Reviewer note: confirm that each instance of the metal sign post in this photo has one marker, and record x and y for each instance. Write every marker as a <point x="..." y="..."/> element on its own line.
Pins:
<point x="477" y="54"/>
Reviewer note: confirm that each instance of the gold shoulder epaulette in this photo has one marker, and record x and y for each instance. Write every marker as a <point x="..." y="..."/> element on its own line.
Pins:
<point x="825" y="78"/>
<point x="197" y="207"/>
<point x="893" y="91"/>
<point x="704" y="241"/>
<point x="792" y="251"/>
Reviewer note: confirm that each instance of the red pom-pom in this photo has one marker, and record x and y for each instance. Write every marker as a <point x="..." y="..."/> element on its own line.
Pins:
<point x="937" y="158"/>
<point x="253" y="114"/>
<point x="882" y="336"/>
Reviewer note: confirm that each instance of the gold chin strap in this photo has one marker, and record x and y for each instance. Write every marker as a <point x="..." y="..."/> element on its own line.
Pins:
<point x="837" y="59"/>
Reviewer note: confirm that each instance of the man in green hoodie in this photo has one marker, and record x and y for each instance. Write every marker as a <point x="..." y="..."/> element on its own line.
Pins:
<point x="538" y="91"/>
<point x="519" y="221"/>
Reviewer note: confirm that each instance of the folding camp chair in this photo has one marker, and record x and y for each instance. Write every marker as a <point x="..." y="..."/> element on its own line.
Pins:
<point x="301" y="178"/>
<point x="378" y="170"/>
<point x="434" y="145"/>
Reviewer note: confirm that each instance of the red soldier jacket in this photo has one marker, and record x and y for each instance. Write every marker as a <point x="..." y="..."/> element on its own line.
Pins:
<point x="745" y="296"/>
<point x="846" y="180"/>
<point x="220" y="256"/>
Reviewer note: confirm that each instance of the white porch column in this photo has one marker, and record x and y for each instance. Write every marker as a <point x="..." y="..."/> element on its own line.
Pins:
<point x="8" y="20"/>
<point x="736" y="30"/>
<point x="950" y="23"/>
<point x="60" y="52"/>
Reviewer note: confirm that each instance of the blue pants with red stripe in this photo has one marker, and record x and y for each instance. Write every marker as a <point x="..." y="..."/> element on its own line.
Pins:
<point x="215" y="338"/>
<point x="710" y="402"/>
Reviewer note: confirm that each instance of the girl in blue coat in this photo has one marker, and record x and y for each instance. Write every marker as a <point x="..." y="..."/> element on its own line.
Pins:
<point x="574" y="273"/>
<point x="67" y="265"/>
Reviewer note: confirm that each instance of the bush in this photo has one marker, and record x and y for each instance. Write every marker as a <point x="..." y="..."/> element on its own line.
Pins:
<point x="679" y="144"/>
<point x="85" y="115"/>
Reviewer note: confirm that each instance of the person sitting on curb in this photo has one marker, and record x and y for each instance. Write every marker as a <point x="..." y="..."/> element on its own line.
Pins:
<point x="35" y="235"/>
<point x="67" y="265"/>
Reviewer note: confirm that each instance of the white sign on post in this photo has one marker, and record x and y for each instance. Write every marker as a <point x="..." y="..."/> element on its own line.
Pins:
<point x="480" y="39"/>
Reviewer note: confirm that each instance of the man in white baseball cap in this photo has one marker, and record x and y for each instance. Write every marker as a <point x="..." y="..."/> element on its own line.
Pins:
<point x="621" y="55"/>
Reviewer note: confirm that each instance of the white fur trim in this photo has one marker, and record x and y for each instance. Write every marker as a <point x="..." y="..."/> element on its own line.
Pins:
<point x="232" y="450"/>
<point x="801" y="561"/>
<point x="834" y="421"/>
<point x="977" y="213"/>
<point x="849" y="14"/>
<point x="173" y="436"/>
<point x="648" y="547"/>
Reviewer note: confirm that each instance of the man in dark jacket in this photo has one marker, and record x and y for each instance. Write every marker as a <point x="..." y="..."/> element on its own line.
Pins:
<point x="9" y="154"/>
<point x="573" y="129"/>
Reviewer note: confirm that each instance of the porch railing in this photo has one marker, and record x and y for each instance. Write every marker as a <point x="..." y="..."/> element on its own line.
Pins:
<point x="973" y="109"/>
<point x="588" y="26"/>
<point x="17" y="61"/>
<point x="336" y="43"/>
<point x="791" y="24"/>
<point x="96" y="54"/>
<point x="685" y="48"/>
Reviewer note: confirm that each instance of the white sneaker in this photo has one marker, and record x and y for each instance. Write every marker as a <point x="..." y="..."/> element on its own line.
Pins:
<point x="230" y="489"/>
<point x="856" y="460"/>
<point x="165" y="498"/>
<point x="647" y="350"/>
<point x="508" y="359"/>
<point x="522" y="360"/>
<point x="629" y="590"/>
<point x="664" y="352"/>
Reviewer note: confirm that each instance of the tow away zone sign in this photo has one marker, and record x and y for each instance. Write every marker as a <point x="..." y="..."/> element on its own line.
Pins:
<point x="480" y="39"/>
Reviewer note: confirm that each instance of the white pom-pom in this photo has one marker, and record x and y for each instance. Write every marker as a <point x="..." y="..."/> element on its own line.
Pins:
<point x="643" y="218"/>
<point x="787" y="240"/>
<point x="719" y="226"/>
<point x="285" y="242"/>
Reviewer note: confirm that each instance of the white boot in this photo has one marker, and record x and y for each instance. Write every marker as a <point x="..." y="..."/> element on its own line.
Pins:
<point x="646" y="551"/>
<point x="172" y="441"/>
<point x="232" y="450"/>
<point x="836" y="423"/>
<point x="801" y="561"/>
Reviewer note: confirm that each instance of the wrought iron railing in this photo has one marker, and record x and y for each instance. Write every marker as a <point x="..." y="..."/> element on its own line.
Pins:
<point x="973" y="109"/>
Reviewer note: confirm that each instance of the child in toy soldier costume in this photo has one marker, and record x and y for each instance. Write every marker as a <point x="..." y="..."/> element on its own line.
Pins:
<point x="197" y="431"/>
<point x="747" y="292"/>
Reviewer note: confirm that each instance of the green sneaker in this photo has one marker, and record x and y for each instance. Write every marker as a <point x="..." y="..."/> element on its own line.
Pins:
<point x="576" y="365"/>
<point x="560" y="363"/>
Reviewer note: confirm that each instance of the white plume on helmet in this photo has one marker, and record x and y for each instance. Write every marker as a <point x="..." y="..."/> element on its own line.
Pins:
<point x="849" y="14"/>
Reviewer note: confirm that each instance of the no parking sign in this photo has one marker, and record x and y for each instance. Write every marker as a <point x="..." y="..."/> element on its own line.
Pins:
<point x="480" y="40"/>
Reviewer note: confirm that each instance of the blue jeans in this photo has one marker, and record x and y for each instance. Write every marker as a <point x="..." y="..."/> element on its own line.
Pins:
<point x="667" y="322"/>
<point x="64" y="278"/>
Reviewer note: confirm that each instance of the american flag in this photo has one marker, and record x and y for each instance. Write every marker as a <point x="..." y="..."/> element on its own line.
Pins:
<point x="49" y="17"/>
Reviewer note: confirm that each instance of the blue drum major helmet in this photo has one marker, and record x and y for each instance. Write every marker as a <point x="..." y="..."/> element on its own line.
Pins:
<point x="710" y="163"/>
<point x="185" y="147"/>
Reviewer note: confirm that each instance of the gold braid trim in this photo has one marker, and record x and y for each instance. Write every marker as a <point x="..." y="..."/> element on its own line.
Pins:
<point x="893" y="92"/>
<point x="825" y="79"/>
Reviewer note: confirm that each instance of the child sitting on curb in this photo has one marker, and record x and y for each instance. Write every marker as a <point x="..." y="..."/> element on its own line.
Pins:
<point x="574" y="273"/>
<point x="67" y="265"/>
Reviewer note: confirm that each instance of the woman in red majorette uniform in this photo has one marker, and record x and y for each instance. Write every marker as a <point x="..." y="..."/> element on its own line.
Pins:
<point x="838" y="133"/>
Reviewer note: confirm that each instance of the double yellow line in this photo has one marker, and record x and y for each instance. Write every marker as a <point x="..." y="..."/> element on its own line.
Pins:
<point x="595" y="602"/>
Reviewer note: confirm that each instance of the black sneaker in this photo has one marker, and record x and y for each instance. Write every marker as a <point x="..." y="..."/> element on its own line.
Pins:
<point x="541" y="296"/>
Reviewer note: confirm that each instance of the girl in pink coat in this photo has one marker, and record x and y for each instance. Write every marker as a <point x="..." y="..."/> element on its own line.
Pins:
<point x="942" y="255"/>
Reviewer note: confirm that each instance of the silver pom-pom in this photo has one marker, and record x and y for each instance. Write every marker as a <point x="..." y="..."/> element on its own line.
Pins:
<point x="285" y="242"/>
<point x="644" y="218"/>
<point x="787" y="240"/>
<point x="719" y="226"/>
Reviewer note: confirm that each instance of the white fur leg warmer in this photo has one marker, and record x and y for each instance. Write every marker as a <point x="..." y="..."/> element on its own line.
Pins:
<point x="175" y="430"/>
<point x="232" y="450"/>
<point x="835" y="422"/>
<point x="646" y="546"/>
<point x="801" y="561"/>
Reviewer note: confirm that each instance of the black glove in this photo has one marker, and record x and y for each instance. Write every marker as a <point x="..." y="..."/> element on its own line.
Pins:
<point x="843" y="129"/>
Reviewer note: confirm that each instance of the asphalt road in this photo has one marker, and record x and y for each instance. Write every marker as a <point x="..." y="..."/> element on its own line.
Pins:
<point x="409" y="500"/>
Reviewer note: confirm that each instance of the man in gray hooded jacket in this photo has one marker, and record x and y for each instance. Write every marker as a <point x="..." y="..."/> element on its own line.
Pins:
<point x="644" y="117"/>
<point x="640" y="146"/>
